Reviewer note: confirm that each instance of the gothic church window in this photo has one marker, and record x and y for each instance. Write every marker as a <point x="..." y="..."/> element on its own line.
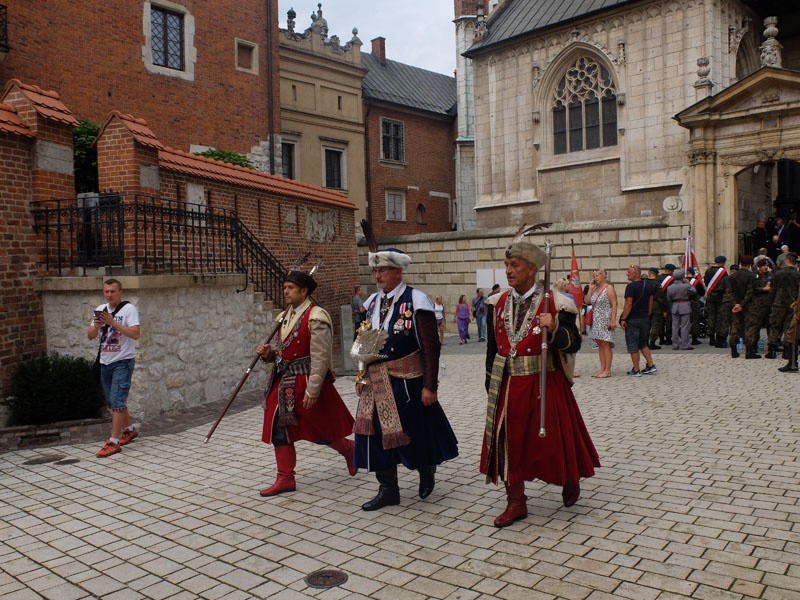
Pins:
<point x="584" y="108"/>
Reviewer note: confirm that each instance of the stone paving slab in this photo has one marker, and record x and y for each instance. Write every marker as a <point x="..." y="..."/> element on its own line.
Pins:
<point x="698" y="497"/>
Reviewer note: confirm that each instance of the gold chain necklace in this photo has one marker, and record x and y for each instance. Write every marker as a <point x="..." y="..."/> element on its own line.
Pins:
<point x="508" y="317"/>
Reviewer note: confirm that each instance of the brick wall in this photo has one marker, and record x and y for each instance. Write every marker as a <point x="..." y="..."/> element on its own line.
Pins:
<point x="92" y="53"/>
<point x="429" y="167"/>
<point x="22" y="333"/>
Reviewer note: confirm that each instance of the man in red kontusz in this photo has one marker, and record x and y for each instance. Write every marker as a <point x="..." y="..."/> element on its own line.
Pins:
<point x="301" y="400"/>
<point x="512" y="449"/>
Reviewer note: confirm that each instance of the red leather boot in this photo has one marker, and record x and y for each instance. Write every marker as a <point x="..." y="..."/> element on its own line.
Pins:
<point x="346" y="447"/>
<point x="286" y="458"/>
<point x="516" y="509"/>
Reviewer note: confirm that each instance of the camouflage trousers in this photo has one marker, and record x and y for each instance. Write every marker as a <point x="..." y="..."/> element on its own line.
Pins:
<point x="656" y="325"/>
<point x="718" y="319"/>
<point x="757" y="317"/>
<point x="780" y="320"/>
<point x="736" y="323"/>
<point x="694" y="328"/>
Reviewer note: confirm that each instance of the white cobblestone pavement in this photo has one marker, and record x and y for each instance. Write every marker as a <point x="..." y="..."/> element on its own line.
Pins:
<point x="698" y="497"/>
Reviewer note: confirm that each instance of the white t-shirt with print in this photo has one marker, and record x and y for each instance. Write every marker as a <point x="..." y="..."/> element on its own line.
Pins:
<point x="118" y="346"/>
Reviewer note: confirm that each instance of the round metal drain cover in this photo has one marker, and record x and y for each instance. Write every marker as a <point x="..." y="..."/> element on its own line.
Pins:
<point x="47" y="458"/>
<point x="68" y="461"/>
<point x="326" y="578"/>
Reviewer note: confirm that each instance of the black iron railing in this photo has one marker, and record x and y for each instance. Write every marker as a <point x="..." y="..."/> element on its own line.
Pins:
<point x="4" y="29"/>
<point x="145" y="235"/>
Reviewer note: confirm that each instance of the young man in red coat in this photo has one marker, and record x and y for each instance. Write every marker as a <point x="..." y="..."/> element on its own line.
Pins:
<point x="302" y="402"/>
<point x="512" y="449"/>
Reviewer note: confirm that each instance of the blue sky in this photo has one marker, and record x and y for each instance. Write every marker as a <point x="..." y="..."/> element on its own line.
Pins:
<point x="418" y="32"/>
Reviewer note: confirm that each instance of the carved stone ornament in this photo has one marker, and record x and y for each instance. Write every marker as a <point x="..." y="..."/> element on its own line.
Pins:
<point x="672" y="204"/>
<point x="536" y="76"/>
<point x="735" y="35"/>
<point x="701" y="157"/>
<point x="771" y="48"/>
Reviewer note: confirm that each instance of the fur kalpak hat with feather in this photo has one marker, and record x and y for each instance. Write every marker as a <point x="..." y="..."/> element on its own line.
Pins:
<point x="390" y="257"/>
<point x="521" y="248"/>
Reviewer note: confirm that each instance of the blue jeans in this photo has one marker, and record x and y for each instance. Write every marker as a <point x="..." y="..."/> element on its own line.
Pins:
<point x="481" y="321"/>
<point x="116" y="381"/>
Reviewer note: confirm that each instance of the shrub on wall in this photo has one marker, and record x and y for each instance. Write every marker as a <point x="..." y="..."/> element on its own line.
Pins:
<point x="226" y="156"/>
<point x="54" y="388"/>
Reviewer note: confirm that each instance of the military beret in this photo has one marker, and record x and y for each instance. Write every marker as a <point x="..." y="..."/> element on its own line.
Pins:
<point x="720" y="259"/>
<point x="653" y="270"/>
<point x="734" y="267"/>
<point x="670" y="266"/>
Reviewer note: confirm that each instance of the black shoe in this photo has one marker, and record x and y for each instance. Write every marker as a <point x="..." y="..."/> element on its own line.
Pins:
<point x="734" y="352"/>
<point x="788" y="368"/>
<point x="652" y="346"/>
<point x="772" y="353"/>
<point x="721" y="342"/>
<point x="712" y="341"/>
<point x="696" y="342"/>
<point x="668" y="341"/>
<point x="426" y="481"/>
<point x="749" y="356"/>
<point x="387" y="496"/>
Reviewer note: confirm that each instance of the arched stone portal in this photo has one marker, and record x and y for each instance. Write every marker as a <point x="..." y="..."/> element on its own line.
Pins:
<point x="754" y="122"/>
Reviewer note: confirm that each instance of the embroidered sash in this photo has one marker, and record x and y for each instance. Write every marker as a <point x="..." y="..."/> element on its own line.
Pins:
<point x="287" y="399"/>
<point x="377" y="395"/>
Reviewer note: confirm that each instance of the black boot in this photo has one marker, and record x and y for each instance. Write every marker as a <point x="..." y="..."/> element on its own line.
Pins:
<point x="662" y="341"/>
<point x="751" y="352"/>
<point x="426" y="480"/>
<point x="695" y="341"/>
<point x="789" y="367"/>
<point x="388" y="492"/>
<point x="787" y="351"/>
<point x="721" y="341"/>
<point x="653" y="346"/>
<point x="712" y="340"/>
<point x="668" y="341"/>
<point x="773" y="352"/>
<point x="734" y="352"/>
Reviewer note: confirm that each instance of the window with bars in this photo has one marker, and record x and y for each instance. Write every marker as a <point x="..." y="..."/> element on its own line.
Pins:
<point x="166" y="29"/>
<point x="584" y="108"/>
<point x="395" y="205"/>
<point x="333" y="168"/>
<point x="392" y="142"/>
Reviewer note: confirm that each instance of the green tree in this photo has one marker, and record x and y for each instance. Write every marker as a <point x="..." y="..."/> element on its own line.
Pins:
<point x="83" y="137"/>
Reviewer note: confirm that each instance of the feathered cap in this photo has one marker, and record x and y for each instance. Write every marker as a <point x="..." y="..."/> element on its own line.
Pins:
<point x="301" y="278"/>
<point x="389" y="257"/>
<point x="521" y="248"/>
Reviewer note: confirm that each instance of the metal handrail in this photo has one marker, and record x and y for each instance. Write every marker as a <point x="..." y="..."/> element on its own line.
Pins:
<point x="133" y="233"/>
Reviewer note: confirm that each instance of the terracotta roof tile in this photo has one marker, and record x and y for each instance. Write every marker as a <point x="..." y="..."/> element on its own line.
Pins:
<point x="10" y="122"/>
<point x="191" y="164"/>
<point x="46" y="102"/>
<point x="139" y="129"/>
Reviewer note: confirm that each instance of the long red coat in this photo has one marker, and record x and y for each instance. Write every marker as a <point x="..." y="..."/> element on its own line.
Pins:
<point x="328" y="420"/>
<point x="567" y="453"/>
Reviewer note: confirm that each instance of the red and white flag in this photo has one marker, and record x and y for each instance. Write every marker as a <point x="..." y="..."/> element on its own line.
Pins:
<point x="689" y="259"/>
<point x="575" y="281"/>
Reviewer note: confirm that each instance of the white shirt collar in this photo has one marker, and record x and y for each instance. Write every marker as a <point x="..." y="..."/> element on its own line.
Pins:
<point x="526" y="295"/>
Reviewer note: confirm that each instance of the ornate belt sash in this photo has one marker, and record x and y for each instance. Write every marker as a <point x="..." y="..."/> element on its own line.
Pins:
<point x="287" y="400"/>
<point x="377" y="394"/>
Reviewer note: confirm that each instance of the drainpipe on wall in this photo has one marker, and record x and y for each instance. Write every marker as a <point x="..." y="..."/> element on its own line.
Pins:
<point x="270" y="91"/>
<point x="367" y="165"/>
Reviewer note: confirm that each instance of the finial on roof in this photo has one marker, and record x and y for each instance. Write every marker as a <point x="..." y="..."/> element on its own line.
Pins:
<point x="771" y="48"/>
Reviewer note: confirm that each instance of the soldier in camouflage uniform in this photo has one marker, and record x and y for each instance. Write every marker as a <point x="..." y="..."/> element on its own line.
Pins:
<point x="659" y="309"/>
<point x="785" y="285"/>
<point x="733" y="300"/>
<point x="697" y="283"/>
<point x="717" y="321"/>
<point x="757" y="302"/>
<point x="669" y="269"/>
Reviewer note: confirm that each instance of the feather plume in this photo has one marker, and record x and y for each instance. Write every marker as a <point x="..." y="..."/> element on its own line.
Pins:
<point x="316" y="267"/>
<point x="525" y="229"/>
<point x="369" y="235"/>
<point x="300" y="262"/>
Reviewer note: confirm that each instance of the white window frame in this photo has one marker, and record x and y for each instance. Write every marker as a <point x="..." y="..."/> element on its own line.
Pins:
<point x="402" y="194"/>
<point x="189" y="50"/>
<point x="252" y="45"/>
<point x="295" y="144"/>
<point x="343" y="165"/>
